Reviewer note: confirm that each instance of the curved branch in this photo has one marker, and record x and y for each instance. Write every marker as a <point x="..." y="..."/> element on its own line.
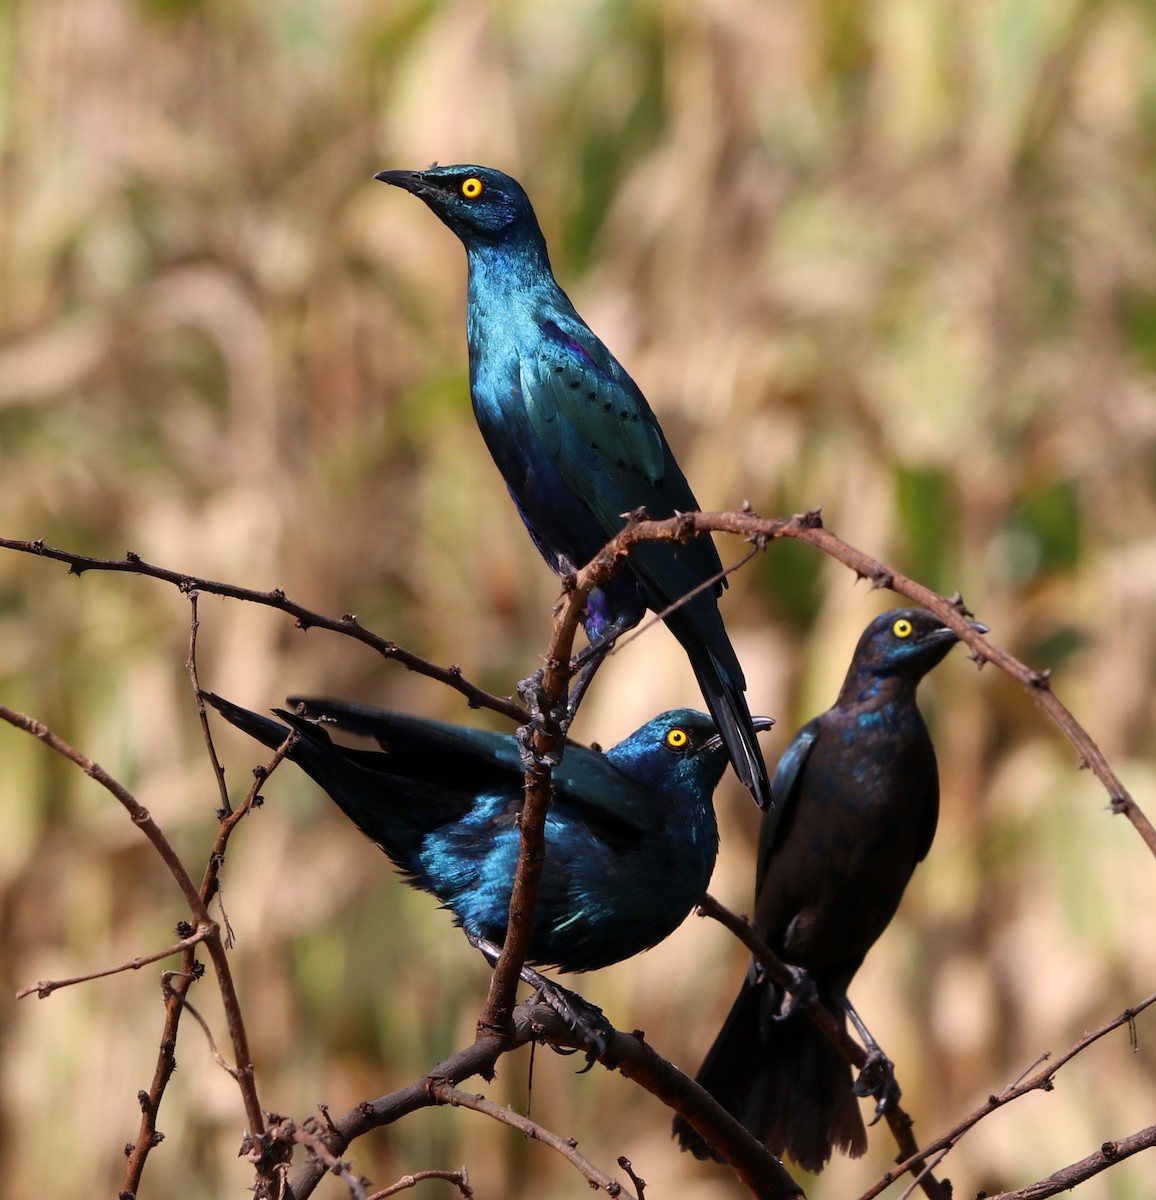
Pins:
<point x="629" y="1054"/>
<point x="1042" y="1080"/>
<point x="212" y="940"/>
<point x="306" y="618"/>
<point x="446" y="1093"/>
<point x="808" y="527"/>
<point x="1108" y="1155"/>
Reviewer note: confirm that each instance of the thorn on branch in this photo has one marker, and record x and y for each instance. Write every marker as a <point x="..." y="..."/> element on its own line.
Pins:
<point x="635" y="517"/>
<point x="811" y="519"/>
<point x="637" y="1180"/>
<point x="1120" y="805"/>
<point x="131" y="556"/>
<point x="38" y="546"/>
<point x="1039" y="679"/>
<point x="880" y="578"/>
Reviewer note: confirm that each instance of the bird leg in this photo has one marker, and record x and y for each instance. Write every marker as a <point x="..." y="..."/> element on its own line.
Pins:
<point x="587" y="661"/>
<point x="585" y="1019"/>
<point x="877" y="1078"/>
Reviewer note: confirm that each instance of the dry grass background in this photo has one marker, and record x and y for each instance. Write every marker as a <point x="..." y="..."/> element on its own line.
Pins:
<point x="894" y="258"/>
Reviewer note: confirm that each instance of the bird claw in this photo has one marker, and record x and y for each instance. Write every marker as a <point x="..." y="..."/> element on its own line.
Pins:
<point x="530" y="693"/>
<point x="802" y="995"/>
<point x="877" y="1078"/>
<point x="532" y="761"/>
<point x="585" y="1019"/>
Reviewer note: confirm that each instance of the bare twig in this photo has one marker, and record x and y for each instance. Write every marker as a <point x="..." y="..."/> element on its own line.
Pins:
<point x="460" y="1179"/>
<point x="191" y="1009"/>
<point x="1108" y="1155"/>
<point x="306" y="618"/>
<point x="446" y="1093"/>
<point x="808" y="527"/>
<point x="45" y="987"/>
<point x="212" y="939"/>
<point x="202" y="715"/>
<point x="1042" y="1080"/>
<point x="629" y="1054"/>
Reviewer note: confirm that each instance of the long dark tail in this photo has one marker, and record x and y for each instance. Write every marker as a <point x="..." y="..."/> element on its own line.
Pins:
<point x="723" y="689"/>
<point x="783" y="1080"/>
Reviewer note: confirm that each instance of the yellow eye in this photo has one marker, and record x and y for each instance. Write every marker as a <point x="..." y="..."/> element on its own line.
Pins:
<point x="902" y="628"/>
<point x="472" y="188"/>
<point x="677" y="738"/>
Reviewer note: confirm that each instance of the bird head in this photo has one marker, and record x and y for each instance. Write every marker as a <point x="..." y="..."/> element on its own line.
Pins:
<point x="680" y="746"/>
<point x="477" y="203"/>
<point x="905" y="642"/>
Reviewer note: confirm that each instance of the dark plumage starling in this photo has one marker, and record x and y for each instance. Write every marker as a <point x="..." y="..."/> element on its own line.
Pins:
<point x="858" y="790"/>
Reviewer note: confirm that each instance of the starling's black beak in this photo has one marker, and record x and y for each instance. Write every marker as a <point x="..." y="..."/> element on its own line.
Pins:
<point x="410" y="181"/>
<point x="761" y="724"/>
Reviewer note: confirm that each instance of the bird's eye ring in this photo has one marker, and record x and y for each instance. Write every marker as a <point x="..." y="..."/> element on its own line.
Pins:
<point x="677" y="739"/>
<point x="472" y="188"/>
<point x="902" y="628"/>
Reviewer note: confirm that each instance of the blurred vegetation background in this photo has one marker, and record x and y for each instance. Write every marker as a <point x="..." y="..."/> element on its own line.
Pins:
<point x="893" y="258"/>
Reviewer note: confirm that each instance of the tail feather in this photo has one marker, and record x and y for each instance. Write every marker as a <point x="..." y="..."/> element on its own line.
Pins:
<point x="723" y="692"/>
<point x="783" y="1080"/>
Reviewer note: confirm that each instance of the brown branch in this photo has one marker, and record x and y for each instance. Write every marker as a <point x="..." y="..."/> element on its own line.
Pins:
<point x="1108" y="1155"/>
<point x="202" y="714"/>
<point x="1042" y="1080"/>
<point x="898" y="1120"/>
<point x="446" y="1093"/>
<point x="544" y="737"/>
<point x="805" y="527"/>
<point x="45" y="987"/>
<point x="756" y="1167"/>
<point x="544" y="741"/>
<point x="212" y="939"/>
<point x="306" y="618"/>
<point x="460" y="1179"/>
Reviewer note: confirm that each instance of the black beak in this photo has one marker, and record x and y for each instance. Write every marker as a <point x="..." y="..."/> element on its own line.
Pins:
<point x="409" y="181"/>
<point x="761" y="724"/>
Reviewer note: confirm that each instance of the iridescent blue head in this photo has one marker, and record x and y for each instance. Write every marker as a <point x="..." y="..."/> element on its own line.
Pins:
<point x="477" y="203"/>
<point x="680" y="747"/>
<point x="903" y="644"/>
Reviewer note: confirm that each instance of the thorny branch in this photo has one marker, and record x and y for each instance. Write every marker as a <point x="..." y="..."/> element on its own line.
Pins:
<point x="445" y="1093"/>
<point x="212" y="937"/>
<point x="544" y="740"/>
<point x="306" y="618"/>
<point x="805" y="527"/>
<point x="628" y="1054"/>
<point x="1042" y="1080"/>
